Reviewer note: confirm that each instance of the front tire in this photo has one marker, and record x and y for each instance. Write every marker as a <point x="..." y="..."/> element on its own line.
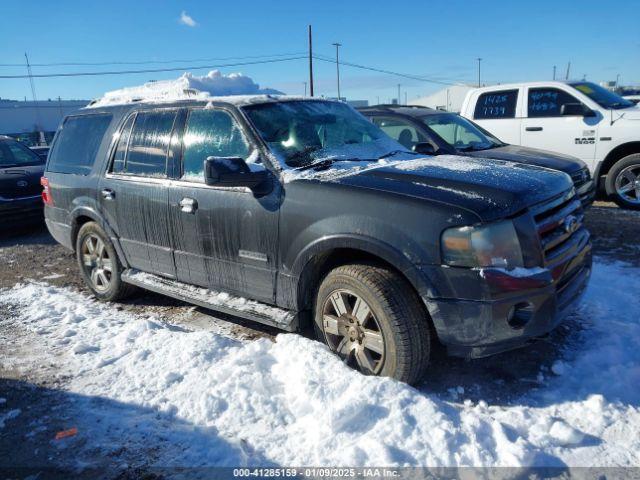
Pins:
<point x="99" y="264"/>
<point x="373" y="320"/>
<point x="624" y="181"/>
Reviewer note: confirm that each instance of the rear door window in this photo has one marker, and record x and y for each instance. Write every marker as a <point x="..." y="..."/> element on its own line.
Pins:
<point x="496" y="105"/>
<point x="547" y="102"/>
<point x="144" y="143"/>
<point x="77" y="143"/>
<point x="210" y="133"/>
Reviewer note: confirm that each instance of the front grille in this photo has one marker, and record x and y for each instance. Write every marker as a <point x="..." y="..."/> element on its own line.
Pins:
<point x="557" y="221"/>
<point x="580" y="177"/>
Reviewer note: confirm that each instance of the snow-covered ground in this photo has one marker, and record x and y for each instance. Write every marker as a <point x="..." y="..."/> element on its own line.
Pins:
<point x="175" y="397"/>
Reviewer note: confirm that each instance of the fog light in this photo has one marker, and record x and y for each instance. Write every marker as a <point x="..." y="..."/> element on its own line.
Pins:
<point x="519" y="315"/>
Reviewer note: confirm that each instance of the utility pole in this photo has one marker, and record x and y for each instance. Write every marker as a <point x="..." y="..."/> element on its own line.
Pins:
<point x="310" y="63"/>
<point x="479" y="60"/>
<point x="617" y="81"/>
<point x="566" y="77"/>
<point x="554" y="72"/>
<point x="338" y="45"/>
<point x="405" y="97"/>
<point x="398" y="94"/>
<point x="35" y="100"/>
<point x="378" y="100"/>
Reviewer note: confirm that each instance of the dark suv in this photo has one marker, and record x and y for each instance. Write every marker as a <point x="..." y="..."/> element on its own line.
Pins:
<point x="286" y="211"/>
<point x="436" y="132"/>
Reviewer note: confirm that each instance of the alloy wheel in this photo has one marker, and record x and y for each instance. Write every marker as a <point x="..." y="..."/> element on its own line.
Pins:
<point x="353" y="332"/>
<point x="628" y="184"/>
<point x="96" y="262"/>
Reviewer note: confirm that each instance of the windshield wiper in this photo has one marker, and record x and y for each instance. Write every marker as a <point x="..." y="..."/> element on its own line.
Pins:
<point x="327" y="162"/>
<point x="395" y="152"/>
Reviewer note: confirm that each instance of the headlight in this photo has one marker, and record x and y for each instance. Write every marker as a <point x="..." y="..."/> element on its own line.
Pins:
<point x="493" y="245"/>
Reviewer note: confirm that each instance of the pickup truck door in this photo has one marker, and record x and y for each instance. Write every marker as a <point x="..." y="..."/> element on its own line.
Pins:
<point x="545" y="128"/>
<point x="134" y="193"/>
<point x="499" y="111"/>
<point x="224" y="238"/>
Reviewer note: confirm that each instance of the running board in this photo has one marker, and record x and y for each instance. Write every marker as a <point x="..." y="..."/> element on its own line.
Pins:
<point x="218" y="301"/>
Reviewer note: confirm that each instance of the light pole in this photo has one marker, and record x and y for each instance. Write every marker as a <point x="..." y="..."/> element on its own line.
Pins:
<point x="305" y="88"/>
<point x="399" y="94"/>
<point x="338" y="45"/>
<point x="479" y="60"/>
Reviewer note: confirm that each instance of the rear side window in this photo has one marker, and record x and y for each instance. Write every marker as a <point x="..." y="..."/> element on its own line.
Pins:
<point x="492" y="105"/>
<point x="546" y="102"/>
<point x="77" y="143"/>
<point x="144" y="143"/>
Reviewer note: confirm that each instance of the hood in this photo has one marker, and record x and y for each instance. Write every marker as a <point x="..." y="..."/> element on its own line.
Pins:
<point x="532" y="156"/>
<point x="631" y="113"/>
<point x="492" y="189"/>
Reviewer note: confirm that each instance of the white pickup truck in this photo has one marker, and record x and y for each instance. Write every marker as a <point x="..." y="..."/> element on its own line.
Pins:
<point x="577" y="118"/>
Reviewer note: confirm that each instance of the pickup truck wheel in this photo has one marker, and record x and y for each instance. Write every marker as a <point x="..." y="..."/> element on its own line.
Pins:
<point x="373" y="320"/>
<point x="99" y="264"/>
<point x="624" y="180"/>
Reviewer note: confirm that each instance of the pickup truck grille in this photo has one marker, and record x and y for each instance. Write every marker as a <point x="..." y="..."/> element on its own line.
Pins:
<point x="557" y="221"/>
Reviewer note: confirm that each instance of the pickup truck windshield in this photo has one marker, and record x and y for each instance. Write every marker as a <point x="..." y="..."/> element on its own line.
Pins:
<point x="459" y="132"/>
<point x="303" y="133"/>
<point x="602" y="96"/>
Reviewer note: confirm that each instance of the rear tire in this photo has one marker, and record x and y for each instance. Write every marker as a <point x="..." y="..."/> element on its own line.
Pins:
<point x="99" y="264"/>
<point x="624" y="181"/>
<point x="371" y="317"/>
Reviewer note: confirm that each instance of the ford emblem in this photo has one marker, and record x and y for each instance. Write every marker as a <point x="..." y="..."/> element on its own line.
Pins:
<point x="571" y="224"/>
<point x="21" y="183"/>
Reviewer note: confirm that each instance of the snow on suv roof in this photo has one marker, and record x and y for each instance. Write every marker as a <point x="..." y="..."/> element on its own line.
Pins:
<point x="233" y="88"/>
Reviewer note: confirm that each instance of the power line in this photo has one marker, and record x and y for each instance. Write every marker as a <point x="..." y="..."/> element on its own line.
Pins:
<point x="149" y="62"/>
<point x="151" y="70"/>
<point x="388" y="72"/>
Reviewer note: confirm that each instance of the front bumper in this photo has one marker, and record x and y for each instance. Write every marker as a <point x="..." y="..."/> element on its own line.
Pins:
<point x="20" y="211"/>
<point x="480" y="312"/>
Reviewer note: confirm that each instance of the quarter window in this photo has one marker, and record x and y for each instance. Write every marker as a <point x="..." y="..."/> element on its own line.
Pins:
<point x="144" y="150"/>
<point x="495" y="105"/>
<point x="210" y="133"/>
<point x="547" y="102"/>
<point x="77" y="143"/>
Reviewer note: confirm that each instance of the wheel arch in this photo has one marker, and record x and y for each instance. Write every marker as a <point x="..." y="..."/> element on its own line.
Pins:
<point x="320" y="258"/>
<point x="84" y="214"/>
<point x="612" y="157"/>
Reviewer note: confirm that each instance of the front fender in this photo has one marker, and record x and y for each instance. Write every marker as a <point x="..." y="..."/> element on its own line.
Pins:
<point x="293" y="295"/>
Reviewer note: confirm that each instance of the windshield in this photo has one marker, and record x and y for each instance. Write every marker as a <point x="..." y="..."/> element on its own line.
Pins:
<point x="459" y="132"/>
<point x="602" y="96"/>
<point x="302" y="133"/>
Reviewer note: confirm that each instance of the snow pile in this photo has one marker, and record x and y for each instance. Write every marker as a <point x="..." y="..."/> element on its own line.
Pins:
<point x="188" y="86"/>
<point x="192" y="398"/>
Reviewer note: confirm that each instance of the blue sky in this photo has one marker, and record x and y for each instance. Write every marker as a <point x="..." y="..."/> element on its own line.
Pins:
<point x="518" y="41"/>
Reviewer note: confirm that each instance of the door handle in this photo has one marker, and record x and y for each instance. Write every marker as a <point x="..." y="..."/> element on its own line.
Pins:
<point x="533" y="129"/>
<point x="188" y="205"/>
<point x="108" y="194"/>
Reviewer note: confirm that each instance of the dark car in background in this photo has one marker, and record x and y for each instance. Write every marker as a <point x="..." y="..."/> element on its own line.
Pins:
<point x="20" y="189"/>
<point x="436" y="132"/>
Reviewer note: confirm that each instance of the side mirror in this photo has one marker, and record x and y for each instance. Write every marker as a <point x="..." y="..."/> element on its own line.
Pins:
<point x="576" y="110"/>
<point x="232" y="172"/>
<point x="424" y="148"/>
